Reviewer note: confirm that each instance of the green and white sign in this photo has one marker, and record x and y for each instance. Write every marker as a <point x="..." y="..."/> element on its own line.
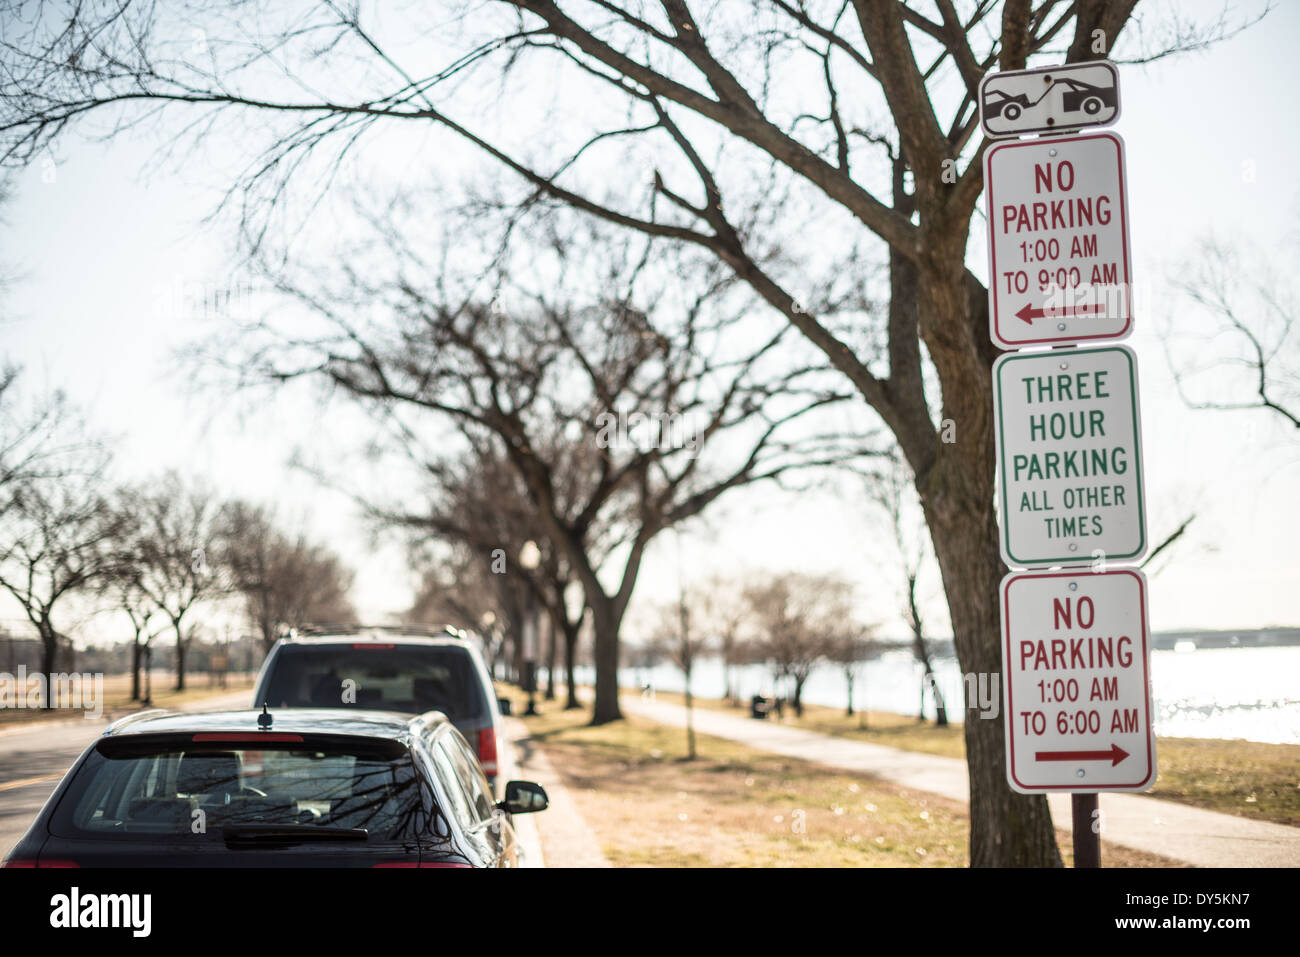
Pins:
<point x="1069" y="447"/>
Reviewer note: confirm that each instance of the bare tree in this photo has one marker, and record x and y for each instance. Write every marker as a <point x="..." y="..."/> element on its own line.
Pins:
<point x="177" y="551"/>
<point x="1241" y="344"/>
<point x="818" y="101"/>
<point x="675" y="639"/>
<point x="479" y="504"/>
<point x="56" y="538"/>
<point x="617" y="420"/>
<point x="42" y="437"/>
<point x="720" y="613"/>
<point x="285" y="582"/>
<point x="891" y="489"/>
<point x="850" y="646"/>
<point x="123" y="593"/>
<point x="797" y="616"/>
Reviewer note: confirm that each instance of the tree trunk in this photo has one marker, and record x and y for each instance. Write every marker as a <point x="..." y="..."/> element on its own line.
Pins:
<point x="180" y="658"/>
<point x="690" y="719"/>
<point x="135" y="669"/>
<point x="848" y="676"/>
<point x="49" y="657"/>
<point x="606" y="618"/>
<point x="928" y="679"/>
<point x="798" y="696"/>
<point x="956" y="484"/>
<point x="571" y="664"/>
<point x="550" y="658"/>
<point x="923" y="656"/>
<point x="1007" y="829"/>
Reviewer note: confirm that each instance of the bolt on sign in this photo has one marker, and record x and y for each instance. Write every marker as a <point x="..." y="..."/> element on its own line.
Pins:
<point x="1069" y="444"/>
<point x="1059" y="262"/>
<point x="1075" y="665"/>
<point x="1049" y="99"/>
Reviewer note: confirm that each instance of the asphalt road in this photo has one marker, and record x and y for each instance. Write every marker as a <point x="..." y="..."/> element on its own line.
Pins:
<point x="32" y="761"/>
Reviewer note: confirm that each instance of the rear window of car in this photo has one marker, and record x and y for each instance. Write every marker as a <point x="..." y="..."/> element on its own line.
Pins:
<point x="403" y="678"/>
<point x="182" y="790"/>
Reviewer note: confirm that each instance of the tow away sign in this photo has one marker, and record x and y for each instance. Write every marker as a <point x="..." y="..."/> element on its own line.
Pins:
<point x="1049" y="99"/>
<point x="1059" y="262"/>
<point x="1069" y="443"/>
<point x="1077" y="683"/>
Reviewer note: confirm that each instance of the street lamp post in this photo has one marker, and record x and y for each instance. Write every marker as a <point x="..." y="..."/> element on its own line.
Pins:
<point x="530" y="556"/>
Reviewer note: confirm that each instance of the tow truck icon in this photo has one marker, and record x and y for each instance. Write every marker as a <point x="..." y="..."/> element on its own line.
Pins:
<point x="1051" y="99"/>
<point x="1078" y="97"/>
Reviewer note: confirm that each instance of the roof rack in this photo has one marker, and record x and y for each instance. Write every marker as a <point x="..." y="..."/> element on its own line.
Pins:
<point x="326" y="628"/>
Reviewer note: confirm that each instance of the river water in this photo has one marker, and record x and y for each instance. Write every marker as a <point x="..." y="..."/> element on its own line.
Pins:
<point x="1250" y="693"/>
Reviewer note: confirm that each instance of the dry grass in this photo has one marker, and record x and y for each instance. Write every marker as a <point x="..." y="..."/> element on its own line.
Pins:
<point x="737" y="807"/>
<point x="1246" y="778"/>
<point x="117" y="697"/>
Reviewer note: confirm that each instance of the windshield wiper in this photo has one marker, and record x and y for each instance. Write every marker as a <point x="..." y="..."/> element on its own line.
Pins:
<point x="289" y="833"/>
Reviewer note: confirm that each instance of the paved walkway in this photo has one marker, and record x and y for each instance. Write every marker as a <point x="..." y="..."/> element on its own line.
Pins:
<point x="558" y="836"/>
<point x="1192" y="835"/>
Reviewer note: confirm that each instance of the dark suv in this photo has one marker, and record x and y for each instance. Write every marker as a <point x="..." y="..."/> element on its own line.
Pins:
<point x="370" y="669"/>
<point x="303" y="788"/>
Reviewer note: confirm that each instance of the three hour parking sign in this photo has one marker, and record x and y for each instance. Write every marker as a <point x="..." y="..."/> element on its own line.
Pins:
<point x="1075" y="665"/>
<point x="1069" y="443"/>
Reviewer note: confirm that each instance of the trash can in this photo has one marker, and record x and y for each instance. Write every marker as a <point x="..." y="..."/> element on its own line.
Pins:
<point x="759" y="706"/>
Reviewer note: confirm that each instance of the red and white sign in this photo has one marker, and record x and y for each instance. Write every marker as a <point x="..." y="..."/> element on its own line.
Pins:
<point x="1075" y="669"/>
<point x="1059" y="263"/>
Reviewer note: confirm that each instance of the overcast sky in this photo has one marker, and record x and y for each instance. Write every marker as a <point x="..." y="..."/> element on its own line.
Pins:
<point x="111" y="251"/>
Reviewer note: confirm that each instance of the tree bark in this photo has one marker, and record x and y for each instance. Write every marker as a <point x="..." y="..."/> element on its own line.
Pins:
<point x="550" y="657"/>
<point x="1007" y="829"/>
<point x="571" y="664"/>
<point x="49" y="657"/>
<point x="848" y="676"/>
<point x="606" y="618"/>
<point x="956" y="484"/>
<point x="135" y="669"/>
<point x="180" y="658"/>
<point x="927" y="677"/>
<point x="690" y="718"/>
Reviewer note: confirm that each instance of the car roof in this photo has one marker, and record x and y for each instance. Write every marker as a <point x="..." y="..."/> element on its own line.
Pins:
<point x="391" y="725"/>
<point x="379" y="637"/>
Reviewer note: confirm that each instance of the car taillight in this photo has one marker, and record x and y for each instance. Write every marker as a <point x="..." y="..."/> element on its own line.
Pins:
<point x="31" y="863"/>
<point x="426" y="864"/>
<point x="487" y="750"/>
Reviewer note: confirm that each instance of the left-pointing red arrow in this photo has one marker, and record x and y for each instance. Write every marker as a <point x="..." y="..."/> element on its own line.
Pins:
<point x="1028" y="313"/>
<point x="1114" y="755"/>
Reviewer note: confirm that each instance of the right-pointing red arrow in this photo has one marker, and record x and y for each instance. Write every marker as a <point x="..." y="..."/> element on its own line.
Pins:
<point x="1115" y="755"/>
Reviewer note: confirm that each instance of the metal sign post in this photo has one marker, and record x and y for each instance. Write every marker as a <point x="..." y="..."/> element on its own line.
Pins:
<point x="1087" y="835"/>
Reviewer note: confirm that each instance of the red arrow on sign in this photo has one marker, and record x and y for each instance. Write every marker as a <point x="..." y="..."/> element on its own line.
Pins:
<point x="1029" y="313"/>
<point x="1115" y="755"/>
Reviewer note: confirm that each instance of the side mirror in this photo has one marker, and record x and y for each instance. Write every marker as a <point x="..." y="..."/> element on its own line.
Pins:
<point x="504" y="706"/>
<point x="524" y="797"/>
